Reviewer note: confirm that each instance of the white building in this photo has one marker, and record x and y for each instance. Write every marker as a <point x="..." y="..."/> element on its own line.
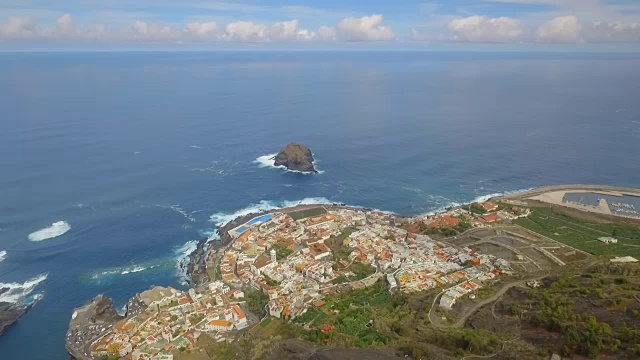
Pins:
<point x="608" y="240"/>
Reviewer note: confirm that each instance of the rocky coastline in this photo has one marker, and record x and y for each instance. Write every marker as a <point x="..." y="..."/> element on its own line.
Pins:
<point x="10" y="313"/>
<point x="98" y="315"/>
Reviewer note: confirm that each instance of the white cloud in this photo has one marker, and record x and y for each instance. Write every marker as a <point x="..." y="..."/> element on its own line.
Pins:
<point x="203" y="29"/>
<point x="483" y="29"/>
<point x="327" y="33"/>
<point x="611" y="32"/>
<point x="65" y="24"/>
<point x="562" y="29"/>
<point x="366" y="28"/>
<point x="248" y="31"/>
<point x="18" y="27"/>
<point x="142" y="30"/>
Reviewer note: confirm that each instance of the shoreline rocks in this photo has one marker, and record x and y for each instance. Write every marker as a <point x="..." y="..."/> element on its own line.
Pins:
<point x="10" y="313"/>
<point x="295" y="157"/>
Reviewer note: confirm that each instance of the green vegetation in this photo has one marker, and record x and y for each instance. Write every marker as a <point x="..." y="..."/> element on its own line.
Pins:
<point x="281" y="252"/>
<point x="270" y="281"/>
<point x="356" y="316"/>
<point x="303" y="214"/>
<point x="360" y="270"/>
<point x="265" y="322"/>
<point x="583" y="234"/>
<point x="256" y="301"/>
<point x="474" y="341"/>
<point x="195" y="319"/>
<point x="335" y="243"/>
<point x="595" y="313"/>
<point x="476" y="209"/>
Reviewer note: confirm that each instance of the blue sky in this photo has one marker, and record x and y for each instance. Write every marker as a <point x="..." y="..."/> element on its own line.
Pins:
<point x="460" y="24"/>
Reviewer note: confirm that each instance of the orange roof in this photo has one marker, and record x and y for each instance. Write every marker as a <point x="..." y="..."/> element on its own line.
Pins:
<point x="262" y="261"/>
<point x="487" y="205"/>
<point x="244" y="236"/>
<point x="490" y="217"/>
<point x="124" y="325"/>
<point x="444" y="221"/>
<point x="219" y="323"/>
<point x="318" y="248"/>
<point x="239" y="312"/>
<point x="318" y="303"/>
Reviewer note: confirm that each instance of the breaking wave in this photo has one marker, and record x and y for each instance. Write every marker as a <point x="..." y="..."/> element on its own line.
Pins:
<point x="186" y="249"/>
<point x="123" y="270"/>
<point x="438" y="200"/>
<point x="3" y="255"/>
<point x="268" y="161"/>
<point x="182" y="259"/>
<point x="222" y="218"/>
<point x="56" y="229"/>
<point x="20" y="293"/>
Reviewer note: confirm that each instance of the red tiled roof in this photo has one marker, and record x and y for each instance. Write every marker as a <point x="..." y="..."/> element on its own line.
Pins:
<point x="490" y="217"/>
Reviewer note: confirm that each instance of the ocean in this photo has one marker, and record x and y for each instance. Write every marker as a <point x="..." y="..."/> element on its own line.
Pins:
<point x="129" y="157"/>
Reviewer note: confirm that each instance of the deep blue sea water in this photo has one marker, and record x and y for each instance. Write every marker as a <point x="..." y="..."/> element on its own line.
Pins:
<point x="138" y="152"/>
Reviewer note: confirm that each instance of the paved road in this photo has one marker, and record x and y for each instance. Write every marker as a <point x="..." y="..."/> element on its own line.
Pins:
<point x="463" y="319"/>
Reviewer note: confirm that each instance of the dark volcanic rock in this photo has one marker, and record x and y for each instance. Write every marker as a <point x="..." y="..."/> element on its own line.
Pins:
<point x="104" y="312"/>
<point x="295" y="157"/>
<point x="10" y="313"/>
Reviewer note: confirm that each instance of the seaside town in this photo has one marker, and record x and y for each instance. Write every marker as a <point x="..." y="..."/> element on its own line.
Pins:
<point x="297" y="257"/>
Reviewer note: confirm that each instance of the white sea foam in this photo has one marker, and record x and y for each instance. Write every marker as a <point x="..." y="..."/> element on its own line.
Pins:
<point x="195" y="146"/>
<point x="182" y="254"/>
<point x="481" y="198"/>
<point x="133" y="269"/>
<point x="3" y="255"/>
<point x="186" y="249"/>
<point x="222" y="218"/>
<point x="269" y="161"/>
<point x="19" y="292"/>
<point x="56" y="229"/>
<point x="124" y="270"/>
<point x="179" y="210"/>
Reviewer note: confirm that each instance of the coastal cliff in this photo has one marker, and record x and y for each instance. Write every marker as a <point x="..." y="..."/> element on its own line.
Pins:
<point x="88" y="323"/>
<point x="296" y="157"/>
<point x="10" y="313"/>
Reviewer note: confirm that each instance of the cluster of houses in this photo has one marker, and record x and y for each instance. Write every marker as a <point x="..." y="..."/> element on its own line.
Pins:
<point x="290" y="261"/>
<point x="173" y="320"/>
<point x="293" y="282"/>
<point x="476" y="215"/>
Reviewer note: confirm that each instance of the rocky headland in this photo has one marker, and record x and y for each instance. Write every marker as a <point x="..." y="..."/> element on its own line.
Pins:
<point x="10" y="313"/>
<point x="296" y="157"/>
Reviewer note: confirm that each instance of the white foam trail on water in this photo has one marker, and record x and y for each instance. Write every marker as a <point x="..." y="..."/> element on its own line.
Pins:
<point x="196" y="147"/>
<point x="222" y="218"/>
<point x="269" y="161"/>
<point x="134" y="269"/>
<point x="56" y="229"/>
<point x="179" y="210"/>
<point x="18" y="292"/>
<point x="3" y="255"/>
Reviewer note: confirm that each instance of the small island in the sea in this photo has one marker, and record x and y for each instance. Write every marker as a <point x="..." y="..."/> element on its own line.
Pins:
<point x="296" y="157"/>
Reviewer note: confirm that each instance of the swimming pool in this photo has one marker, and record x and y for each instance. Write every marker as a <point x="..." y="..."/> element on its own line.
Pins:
<point x="241" y="229"/>
<point x="262" y="218"/>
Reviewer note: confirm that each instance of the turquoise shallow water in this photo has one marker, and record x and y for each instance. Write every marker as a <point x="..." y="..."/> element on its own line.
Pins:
<point x="141" y="153"/>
